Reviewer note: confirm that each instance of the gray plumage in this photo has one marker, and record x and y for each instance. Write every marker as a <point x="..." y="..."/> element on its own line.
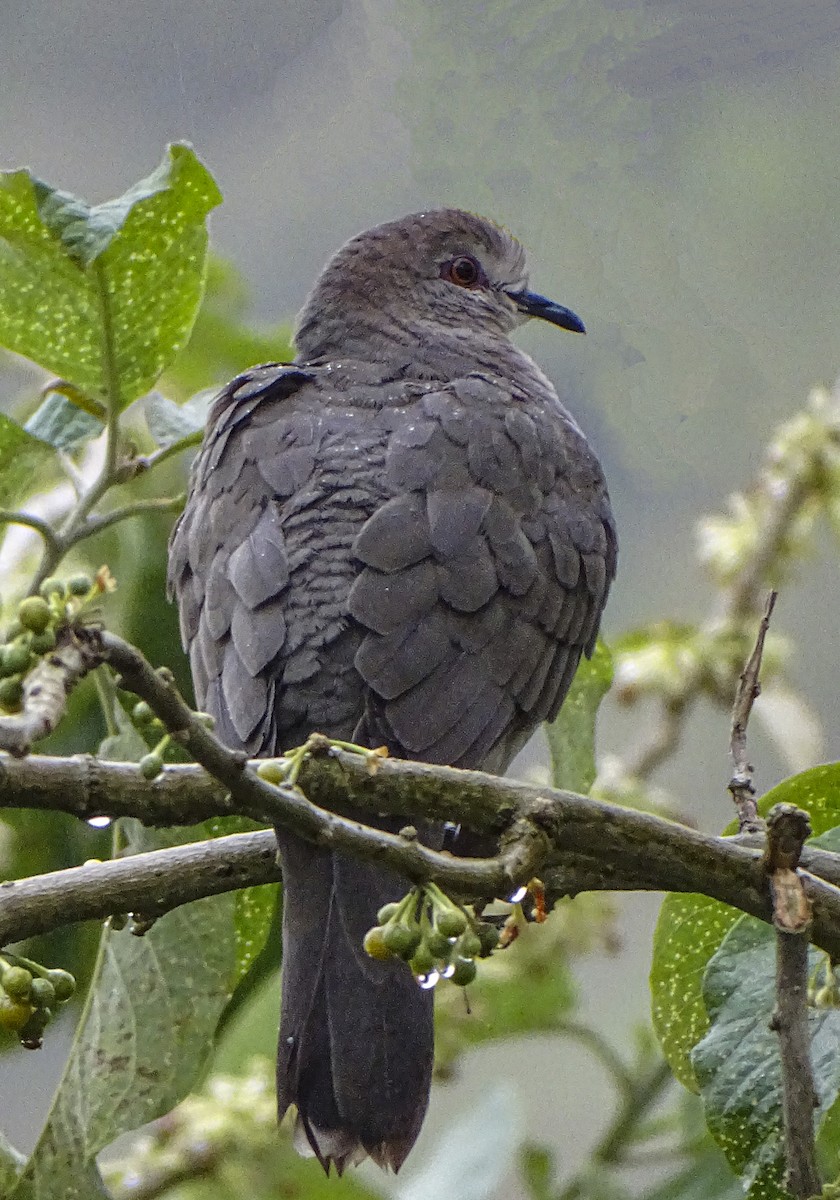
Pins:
<point x="403" y="538"/>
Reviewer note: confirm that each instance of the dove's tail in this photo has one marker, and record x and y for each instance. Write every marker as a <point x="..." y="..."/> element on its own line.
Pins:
<point x="356" y="1036"/>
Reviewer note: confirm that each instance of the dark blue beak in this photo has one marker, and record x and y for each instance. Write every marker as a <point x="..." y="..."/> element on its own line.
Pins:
<point x="540" y="306"/>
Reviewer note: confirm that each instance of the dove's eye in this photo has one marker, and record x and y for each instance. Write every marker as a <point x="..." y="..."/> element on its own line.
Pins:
<point x="465" y="271"/>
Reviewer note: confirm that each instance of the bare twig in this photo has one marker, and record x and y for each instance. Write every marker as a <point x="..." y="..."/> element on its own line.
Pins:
<point x="10" y="517"/>
<point x="787" y="829"/>
<point x="741" y="784"/>
<point x="138" y="508"/>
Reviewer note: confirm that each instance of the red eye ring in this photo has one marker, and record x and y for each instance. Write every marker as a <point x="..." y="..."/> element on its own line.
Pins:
<point x="464" y="271"/>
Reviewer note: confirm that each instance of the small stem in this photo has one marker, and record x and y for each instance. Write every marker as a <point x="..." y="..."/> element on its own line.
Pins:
<point x="8" y="517"/>
<point x="136" y="508"/>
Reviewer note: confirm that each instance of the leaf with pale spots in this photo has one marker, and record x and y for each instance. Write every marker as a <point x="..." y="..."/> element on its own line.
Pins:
<point x="254" y="907"/>
<point x="571" y="735"/>
<point x="737" y="1062"/>
<point x="22" y="461"/>
<point x="104" y="296"/>
<point x="691" y="928"/>
<point x="145" y="1035"/>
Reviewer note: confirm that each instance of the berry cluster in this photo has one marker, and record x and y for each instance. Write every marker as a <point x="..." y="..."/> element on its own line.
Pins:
<point x="435" y="936"/>
<point x="29" y="995"/>
<point x="39" y="620"/>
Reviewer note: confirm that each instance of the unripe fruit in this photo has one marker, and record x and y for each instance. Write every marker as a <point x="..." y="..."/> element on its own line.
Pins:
<point x="34" y="613"/>
<point x="11" y="692"/>
<point x="272" y="772"/>
<point x="42" y="993"/>
<point x="16" y="658"/>
<point x="386" y="912"/>
<point x="13" y="1013"/>
<point x="469" y="944"/>
<point x="63" y="983"/>
<point x="141" y="713"/>
<point x="52" y="587"/>
<point x="489" y="937"/>
<point x="42" y="643"/>
<point x="439" y="945"/>
<point x="451" y="923"/>
<point x="17" y="983"/>
<point x="423" y="961"/>
<point x="401" y="940"/>
<point x="464" y="973"/>
<point x="374" y="943"/>
<point x="79" y="585"/>
<point x="150" y="766"/>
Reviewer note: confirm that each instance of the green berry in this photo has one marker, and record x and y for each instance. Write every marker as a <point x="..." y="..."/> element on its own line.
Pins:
<point x="374" y="943"/>
<point x="13" y="1013"/>
<point x="489" y="937"/>
<point x="150" y="766"/>
<point x="34" y="613"/>
<point x="439" y="944"/>
<point x="63" y="983"/>
<point x="423" y="961"/>
<point x="42" y="993"/>
<point x="14" y="630"/>
<point x="451" y="922"/>
<point x="42" y="643"/>
<point x="79" y="585"/>
<point x="17" y="983"/>
<point x="469" y="944"/>
<point x="464" y="973"/>
<point x="52" y="587"/>
<point x="401" y="939"/>
<point x="386" y="912"/>
<point x="16" y="658"/>
<point x="11" y="692"/>
<point x="273" y="771"/>
<point x="141" y="713"/>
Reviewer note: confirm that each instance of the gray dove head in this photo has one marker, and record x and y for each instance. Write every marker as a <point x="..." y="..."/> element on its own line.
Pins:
<point x="438" y="279"/>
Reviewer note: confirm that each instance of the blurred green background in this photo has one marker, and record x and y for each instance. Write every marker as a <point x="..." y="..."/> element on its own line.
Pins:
<point x="673" y="170"/>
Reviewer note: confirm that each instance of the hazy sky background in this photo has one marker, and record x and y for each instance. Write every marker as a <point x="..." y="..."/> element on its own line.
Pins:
<point x="672" y="167"/>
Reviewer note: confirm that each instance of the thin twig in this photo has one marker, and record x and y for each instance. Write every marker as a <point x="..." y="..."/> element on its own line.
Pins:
<point x="138" y="508"/>
<point x="741" y="784"/>
<point x="9" y="517"/>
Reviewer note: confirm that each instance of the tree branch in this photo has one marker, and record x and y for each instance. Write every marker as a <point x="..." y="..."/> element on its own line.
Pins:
<point x="578" y="843"/>
<point x="787" y="829"/>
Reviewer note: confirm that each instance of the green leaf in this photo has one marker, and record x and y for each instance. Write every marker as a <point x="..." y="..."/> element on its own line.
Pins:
<point x="22" y="461"/>
<point x="254" y="907"/>
<point x="144" y="1037"/>
<point x="737" y="1062"/>
<point x="12" y="1163"/>
<point x="124" y="279"/>
<point x="571" y="736"/>
<point x="690" y="929"/>
<point x="61" y="424"/>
